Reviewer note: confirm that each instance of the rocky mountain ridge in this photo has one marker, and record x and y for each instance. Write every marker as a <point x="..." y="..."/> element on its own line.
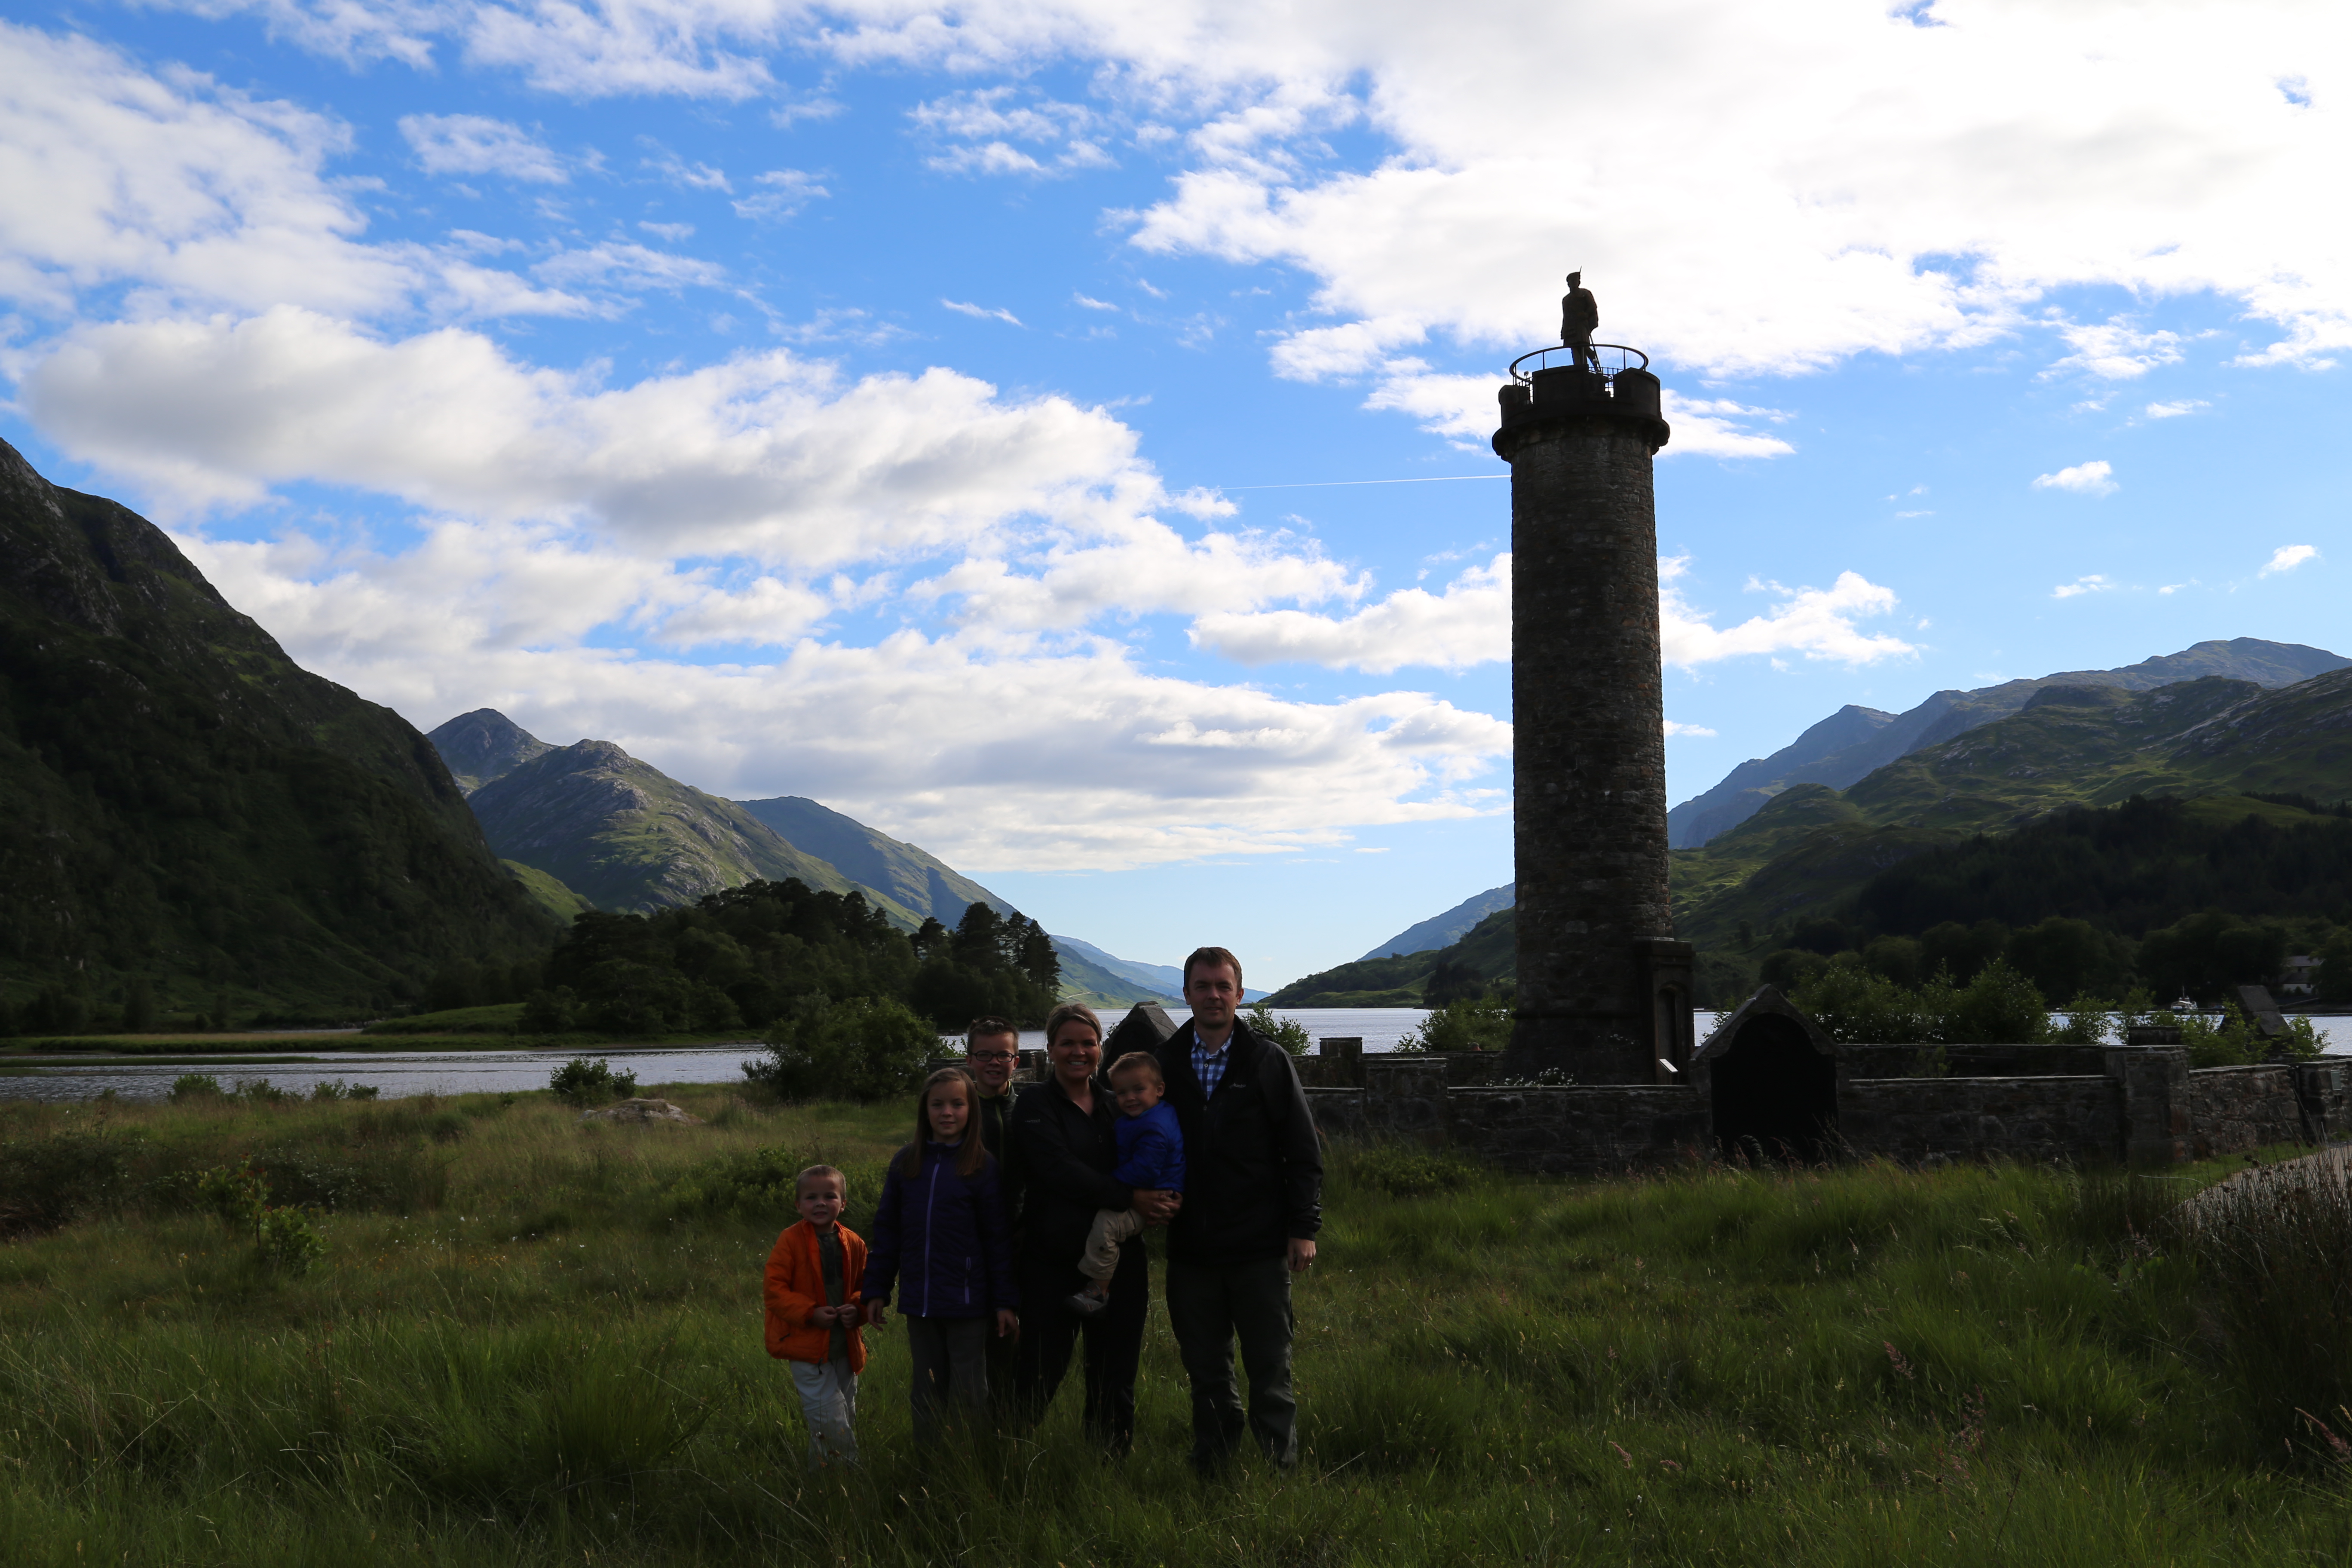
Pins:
<point x="1854" y="742"/>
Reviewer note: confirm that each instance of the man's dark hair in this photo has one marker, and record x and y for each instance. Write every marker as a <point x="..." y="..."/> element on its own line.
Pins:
<point x="989" y="1024"/>
<point x="1214" y="957"/>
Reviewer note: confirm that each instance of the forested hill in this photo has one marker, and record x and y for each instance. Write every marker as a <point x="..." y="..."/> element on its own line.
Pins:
<point x="189" y="818"/>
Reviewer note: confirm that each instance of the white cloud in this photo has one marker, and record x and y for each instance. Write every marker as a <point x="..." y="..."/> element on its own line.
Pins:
<point x="620" y="264"/>
<point x="686" y="176"/>
<point x="982" y="312"/>
<point x="2287" y="557"/>
<point x="986" y="122"/>
<point x="779" y="193"/>
<point x="473" y="144"/>
<point x="766" y="456"/>
<point x="1674" y="729"/>
<point x="2115" y="351"/>
<point x="2093" y="478"/>
<point x="996" y="754"/>
<point x="2174" y="410"/>
<point x="1818" y="623"/>
<point x="180" y="187"/>
<point x="2094" y="583"/>
<point x="1469" y="623"/>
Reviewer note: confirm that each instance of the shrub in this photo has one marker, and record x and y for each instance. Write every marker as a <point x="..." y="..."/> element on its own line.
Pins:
<point x="2234" y="1041"/>
<point x="197" y="1085"/>
<point x="1466" y="1023"/>
<point x="1997" y="1007"/>
<point x="46" y="1181"/>
<point x="287" y="1240"/>
<point x="1288" y="1033"/>
<point x="582" y="1082"/>
<point x="865" y="1049"/>
<point x="237" y="1196"/>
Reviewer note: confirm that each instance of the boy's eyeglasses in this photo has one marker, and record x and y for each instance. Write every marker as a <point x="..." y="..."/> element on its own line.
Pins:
<point x="996" y="1056"/>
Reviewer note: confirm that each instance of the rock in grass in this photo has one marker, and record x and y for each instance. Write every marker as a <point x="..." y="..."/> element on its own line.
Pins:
<point x="640" y="1110"/>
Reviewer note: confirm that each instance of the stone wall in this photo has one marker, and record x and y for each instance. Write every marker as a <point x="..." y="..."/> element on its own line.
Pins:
<point x="2146" y="1107"/>
<point x="1973" y="1061"/>
<point x="1915" y="1119"/>
<point x="2232" y="1109"/>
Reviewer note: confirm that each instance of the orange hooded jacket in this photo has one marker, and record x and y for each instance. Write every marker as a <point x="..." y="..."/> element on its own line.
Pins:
<point x="794" y="1287"/>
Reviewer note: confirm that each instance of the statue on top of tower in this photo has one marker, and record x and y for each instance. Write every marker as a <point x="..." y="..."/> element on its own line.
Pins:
<point x="1579" y="315"/>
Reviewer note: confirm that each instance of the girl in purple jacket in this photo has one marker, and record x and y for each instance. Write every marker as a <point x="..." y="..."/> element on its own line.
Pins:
<point x="940" y="1233"/>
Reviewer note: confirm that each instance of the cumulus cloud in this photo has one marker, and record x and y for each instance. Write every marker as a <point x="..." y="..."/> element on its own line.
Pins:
<point x="994" y="756"/>
<point x="2287" y="557"/>
<point x="2094" y="583"/>
<point x="1468" y="623"/>
<point x="2117" y="350"/>
<point x="1818" y="623"/>
<point x="2174" y="410"/>
<point x="474" y="144"/>
<point x="981" y="126"/>
<point x="1674" y="729"/>
<point x="767" y="456"/>
<point x="2093" y="478"/>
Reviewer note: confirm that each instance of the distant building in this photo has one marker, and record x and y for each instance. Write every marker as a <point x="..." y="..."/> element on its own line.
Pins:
<point x="2300" y="978"/>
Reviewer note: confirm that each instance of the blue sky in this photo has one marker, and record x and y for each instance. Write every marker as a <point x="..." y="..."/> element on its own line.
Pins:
<point x="960" y="415"/>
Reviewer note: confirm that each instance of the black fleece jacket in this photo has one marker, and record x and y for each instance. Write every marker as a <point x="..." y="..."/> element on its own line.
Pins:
<point x="1061" y="1158"/>
<point x="1253" y="1168"/>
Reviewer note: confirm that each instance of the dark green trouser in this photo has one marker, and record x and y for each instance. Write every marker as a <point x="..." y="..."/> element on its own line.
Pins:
<point x="1211" y="1306"/>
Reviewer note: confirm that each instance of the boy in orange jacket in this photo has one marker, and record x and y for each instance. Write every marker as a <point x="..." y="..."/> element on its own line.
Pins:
<point x="814" y="1308"/>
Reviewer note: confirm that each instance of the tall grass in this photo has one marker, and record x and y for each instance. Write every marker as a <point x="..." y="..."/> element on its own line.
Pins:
<point x="551" y="1354"/>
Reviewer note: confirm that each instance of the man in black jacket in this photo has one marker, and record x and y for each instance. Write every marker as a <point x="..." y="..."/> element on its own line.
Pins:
<point x="1253" y="1203"/>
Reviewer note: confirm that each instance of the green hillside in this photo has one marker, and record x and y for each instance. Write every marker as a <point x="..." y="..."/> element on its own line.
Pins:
<point x="625" y="836"/>
<point x="547" y="892"/>
<point x="1812" y="847"/>
<point x="912" y="877"/>
<point x="192" y="818"/>
<point x="1486" y="951"/>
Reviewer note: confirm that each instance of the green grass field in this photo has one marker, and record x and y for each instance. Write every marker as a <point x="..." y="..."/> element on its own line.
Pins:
<point x="534" y="1342"/>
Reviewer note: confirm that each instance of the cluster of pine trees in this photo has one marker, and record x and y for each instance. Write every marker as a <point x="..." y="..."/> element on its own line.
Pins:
<point x="754" y="955"/>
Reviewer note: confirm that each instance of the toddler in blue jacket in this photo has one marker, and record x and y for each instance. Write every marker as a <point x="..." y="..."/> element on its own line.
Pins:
<point x="1151" y="1158"/>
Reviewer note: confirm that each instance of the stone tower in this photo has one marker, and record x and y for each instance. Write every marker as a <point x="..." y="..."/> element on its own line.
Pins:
<point x="1605" y="991"/>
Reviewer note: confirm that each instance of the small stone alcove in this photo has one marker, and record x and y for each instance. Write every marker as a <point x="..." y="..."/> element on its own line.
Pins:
<point x="1770" y="1076"/>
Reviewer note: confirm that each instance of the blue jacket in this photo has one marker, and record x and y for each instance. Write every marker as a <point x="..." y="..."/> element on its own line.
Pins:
<point x="1150" y="1150"/>
<point x="945" y="1235"/>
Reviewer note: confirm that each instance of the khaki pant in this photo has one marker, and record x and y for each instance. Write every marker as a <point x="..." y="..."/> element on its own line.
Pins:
<point x="829" y="1404"/>
<point x="1111" y="1226"/>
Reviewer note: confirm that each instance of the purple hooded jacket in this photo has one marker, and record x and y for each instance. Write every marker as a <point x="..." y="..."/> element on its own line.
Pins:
<point x="943" y="1238"/>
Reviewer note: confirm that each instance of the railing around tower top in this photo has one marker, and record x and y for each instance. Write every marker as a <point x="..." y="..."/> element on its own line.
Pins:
<point x="1610" y="357"/>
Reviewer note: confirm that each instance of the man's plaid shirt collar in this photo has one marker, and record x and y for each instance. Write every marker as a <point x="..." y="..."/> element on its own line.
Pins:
<point x="1209" y="1066"/>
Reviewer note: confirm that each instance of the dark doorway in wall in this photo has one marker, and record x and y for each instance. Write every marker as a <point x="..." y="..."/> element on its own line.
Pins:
<point x="1775" y="1097"/>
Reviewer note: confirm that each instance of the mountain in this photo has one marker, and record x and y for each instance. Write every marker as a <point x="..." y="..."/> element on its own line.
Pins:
<point x="1161" y="980"/>
<point x="1441" y="931"/>
<point x="625" y="836"/>
<point x="1486" y="950"/>
<point x="914" y="878"/>
<point x="187" y="807"/>
<point x="2069" y="745"/>
<point x="484" y="745"/>
<point x="1853" y="742"/>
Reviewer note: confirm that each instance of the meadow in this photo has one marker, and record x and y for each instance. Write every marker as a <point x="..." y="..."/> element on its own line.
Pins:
<point x="534" y="1341"/>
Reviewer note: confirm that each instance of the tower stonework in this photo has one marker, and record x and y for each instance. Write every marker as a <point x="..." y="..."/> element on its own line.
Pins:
<point x="1605" y="991"/>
